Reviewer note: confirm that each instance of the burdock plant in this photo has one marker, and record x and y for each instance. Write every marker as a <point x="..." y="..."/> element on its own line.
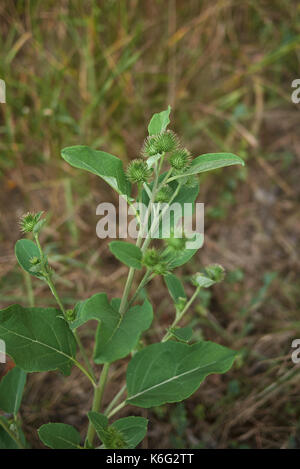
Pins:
<point x="48" y="339"/>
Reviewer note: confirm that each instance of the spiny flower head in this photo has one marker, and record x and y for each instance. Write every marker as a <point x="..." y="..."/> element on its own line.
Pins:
<point x="70" y="315"/>
<point x="34" y="260"/>
<point x="180" y="159"/>
<point x="138" y="171"/>
<point x="149" y="147"/>
<point x="215" y="272"/>
<point x="164" y="194"/>
<point x="161" y="268"/>
<point x="151" y="257"/>
<point x="165" y="142"/>
<point x="28" y="221"/>
<point x="115" y="439"/>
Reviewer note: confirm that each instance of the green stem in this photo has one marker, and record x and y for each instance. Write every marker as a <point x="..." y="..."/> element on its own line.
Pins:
<point x="84" y="354"/>
<point x="85" y="372"/>
<point x="98" y="395"/>
<point x="12" y="434"/>
<point x="127" y="290"/>
<point x="115" y="400"/>
<point x="181" y="314"/>
<point x="131" y="272"/>
<point x="146" y="279"/>
<point x="54" y="293"/>
<point x="116" y="409"/>
<point x="29" y="289"/>
<point x="156" y="222"/>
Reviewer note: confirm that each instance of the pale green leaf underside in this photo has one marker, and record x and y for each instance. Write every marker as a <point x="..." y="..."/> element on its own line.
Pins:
<point x="172" y="371"/>
<point x="203" y="281"/>
<point x="210" y="161"/>
<point x="159" y="122"/>
<point x="104" y="165"/>
<point x="59" y="436"/>
<point x="25" y="249"/>
<point x="38" y="339"/>
<point x="11" y="390"/>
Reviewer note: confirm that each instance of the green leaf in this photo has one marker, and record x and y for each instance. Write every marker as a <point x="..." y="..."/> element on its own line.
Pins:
<point x="134" y="430"/>
<point x="210" y="161"/>
<point x="180" y="258"/>
<point x="172" y="371"/>
<point x="100" y="422"/>
<point x="175" y="287"/>
<point x="212" y="274"/>
<point x="203" y="281"/>
<point x="183" y="334"/>
<point x="25" y="249"/>
<point x="159" y="122"/>
<point x="59" y="436"/>
<point x="116" y="335"/>
<point x="6" y="442"/>
<point x="38" y="339"/>
<point x="104" y="165"/>
<point x="125" y="433"/>
<point x="11" y="390"/>
<point x="127" y="253"/>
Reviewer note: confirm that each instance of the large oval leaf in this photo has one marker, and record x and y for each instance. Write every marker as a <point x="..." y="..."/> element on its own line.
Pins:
<point x="104" y="165"/>
<point x="38" y="339"/>
<point x="59" y="436"/>
<point x="172" y="371"/>
<point x="11" y="390"/>
<point x="210" y="161"/>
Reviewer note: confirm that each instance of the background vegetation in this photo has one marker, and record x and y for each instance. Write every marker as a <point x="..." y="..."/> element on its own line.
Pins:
<point x="93" y="72"/>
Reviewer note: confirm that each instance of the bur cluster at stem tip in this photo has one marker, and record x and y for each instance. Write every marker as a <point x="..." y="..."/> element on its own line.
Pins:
<point x="29" y="221"/>
<point x="138" y="171"/>
<point x="164" y="142"/>
<point x="180" y="159"/>
<point x="151" y="257"/>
